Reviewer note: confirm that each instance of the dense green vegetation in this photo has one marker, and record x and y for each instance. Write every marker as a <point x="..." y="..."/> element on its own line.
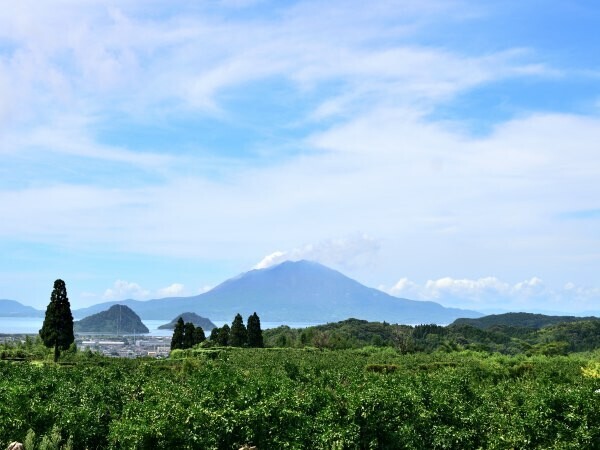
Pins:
<point x="560" y="338"/>
<point x="305" y="398"/>
<point x="347" y="385"/>
<point x="520" y="319"/>
<point x="186" y="335"/>
<point x="238" y="335"/>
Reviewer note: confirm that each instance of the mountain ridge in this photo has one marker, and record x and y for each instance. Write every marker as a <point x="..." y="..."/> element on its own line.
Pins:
<point x="13" y="308"/>
<point x="520" y="319"/>
<point x="304" y="291"/>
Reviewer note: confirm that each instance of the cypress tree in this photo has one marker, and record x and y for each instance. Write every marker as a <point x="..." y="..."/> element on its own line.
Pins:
<point x="188" y="335"/>
<point x="255" y="337"/>
<point x="178" y="333"/>
<point x="214" y="334"/>
<point x="239" y="335"/>
<point x="199" y="335"/>
<point x="223" y="337"/>
<point x="57" y="330"/>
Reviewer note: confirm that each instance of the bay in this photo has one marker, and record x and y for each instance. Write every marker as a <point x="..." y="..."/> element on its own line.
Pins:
<point x="32" y="325"/>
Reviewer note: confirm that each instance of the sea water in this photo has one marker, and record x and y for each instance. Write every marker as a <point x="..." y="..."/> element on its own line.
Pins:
<point x="32" y="325"/>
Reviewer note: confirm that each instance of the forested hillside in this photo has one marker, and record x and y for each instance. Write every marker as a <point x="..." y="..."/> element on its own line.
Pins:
<point x="559" y="338"/>
<point x="519" y="319"/>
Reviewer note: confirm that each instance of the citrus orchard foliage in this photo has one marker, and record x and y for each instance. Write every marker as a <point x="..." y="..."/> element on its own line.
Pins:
<point x="291" y="398"/>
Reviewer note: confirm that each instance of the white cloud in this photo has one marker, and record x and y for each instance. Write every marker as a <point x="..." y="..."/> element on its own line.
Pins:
<point x="272" y="260"/>
<point x="123" y="290"/>
<point x="492" y="293"/>
<point x="174" y="290"/>
<point x="530" y="288"/>
<point x="583" y="293"/>
<point x="403" y="288"/>
<point x="470" y="289"/>
<point x="205" y="288"/>
<point x="356" y="250"/>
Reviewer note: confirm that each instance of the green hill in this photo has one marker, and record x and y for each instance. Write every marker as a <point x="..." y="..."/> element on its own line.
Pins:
<point x="519" y="319"/>
<point x="118" y="319"/>
<point x="552" y="339"/>
<point x="194" y="318"/>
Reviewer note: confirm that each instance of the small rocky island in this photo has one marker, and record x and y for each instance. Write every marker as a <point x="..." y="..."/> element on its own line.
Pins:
<point x="118" y="319"/>
<point x="194" y="318"/>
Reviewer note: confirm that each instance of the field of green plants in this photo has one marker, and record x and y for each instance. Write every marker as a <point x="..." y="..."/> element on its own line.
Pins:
<point x="305" y="398"/>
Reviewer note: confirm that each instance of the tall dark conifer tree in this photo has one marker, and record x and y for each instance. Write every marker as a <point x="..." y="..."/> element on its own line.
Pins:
<point x="199" y="335"/>
<point x="189" y="331"/>
<point x="214" y="334"/>
<point x="57" y="330"/>
<point x="255" y="337"/>
<point x="238" y="337"/>
<point x="223" y="337"/>
<point x="178" y="333"/>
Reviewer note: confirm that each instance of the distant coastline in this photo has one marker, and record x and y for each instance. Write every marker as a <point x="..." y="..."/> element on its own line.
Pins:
<point x="31" y="325"/>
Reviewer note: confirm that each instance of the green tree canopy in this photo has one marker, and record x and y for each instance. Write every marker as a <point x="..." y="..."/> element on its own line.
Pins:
<point x="189" y="331"/>
<point x="214" y="334"/>
<point x="57" y="329"/>
<point x="239" y="335"/>
<point x="178" y="334"/>
<point x="223" y="337"/>
<point x="199" y="335"/>
<point x="255" y="337"/>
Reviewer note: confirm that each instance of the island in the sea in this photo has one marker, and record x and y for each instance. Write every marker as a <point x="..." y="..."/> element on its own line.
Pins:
<point x="194" y="318"/>
<point x="118" y="319"/>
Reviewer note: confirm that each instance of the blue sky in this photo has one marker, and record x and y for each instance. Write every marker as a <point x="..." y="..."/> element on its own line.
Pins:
<point x="438" y="150"/>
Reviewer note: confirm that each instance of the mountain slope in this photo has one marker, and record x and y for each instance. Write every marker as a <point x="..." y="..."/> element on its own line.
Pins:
<point x="12" y="308"/>
<point x="299" y="291"/>
<point x="520" y="319"/>
<point x="118" y="319"/>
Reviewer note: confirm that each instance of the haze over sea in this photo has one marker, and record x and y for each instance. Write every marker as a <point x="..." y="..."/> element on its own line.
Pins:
<point x="31" y="325"/>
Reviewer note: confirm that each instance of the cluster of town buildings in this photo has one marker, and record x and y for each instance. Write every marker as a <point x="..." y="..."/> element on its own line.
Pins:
<point x="127" y="346"/>
<point x="116" y="346"/>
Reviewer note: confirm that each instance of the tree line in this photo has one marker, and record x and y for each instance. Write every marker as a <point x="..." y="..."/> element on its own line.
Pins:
<point x="187" y="335"/>
<point x="553" y="339"/>
<point x="509" y="337"/>
<point x="57" y="329"/>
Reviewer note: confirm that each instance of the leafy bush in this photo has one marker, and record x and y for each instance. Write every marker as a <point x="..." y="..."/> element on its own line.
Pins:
<point x="305" y="398"/>
<point x="382" y="368"/>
